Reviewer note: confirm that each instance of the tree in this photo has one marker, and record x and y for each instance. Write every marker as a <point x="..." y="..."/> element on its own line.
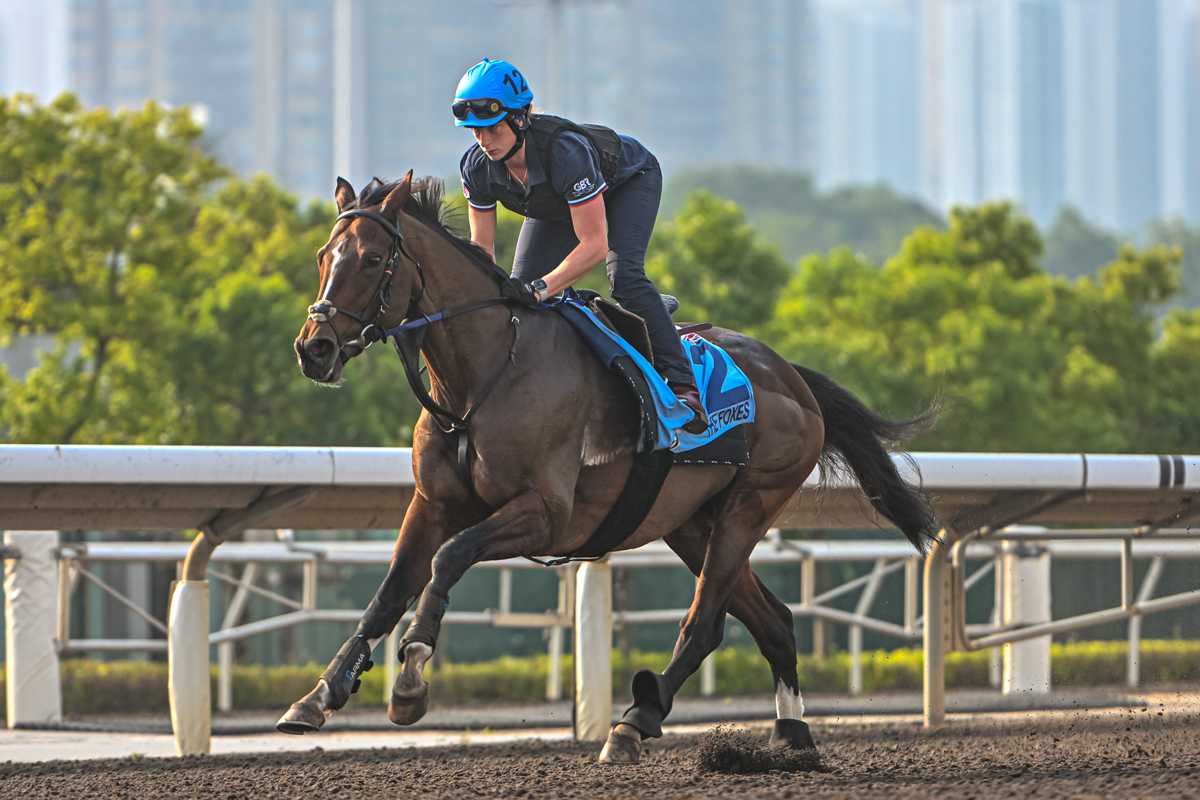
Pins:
<point x="1035" y="362"/>
<point x="94" y="214"/>
<point x="718" y="266"/>
<point x="174" y="292"/>
<point x="788" y="209"/>
<point x="1075" y="247"/>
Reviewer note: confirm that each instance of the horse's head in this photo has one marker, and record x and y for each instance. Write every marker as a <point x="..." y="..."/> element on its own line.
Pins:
<point x="365" y="282"/>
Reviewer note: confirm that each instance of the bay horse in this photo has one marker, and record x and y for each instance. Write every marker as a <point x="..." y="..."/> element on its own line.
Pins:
<point x="549" y="435"/>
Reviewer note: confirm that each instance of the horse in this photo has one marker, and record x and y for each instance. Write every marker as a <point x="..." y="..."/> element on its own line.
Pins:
<point x="527" y="440"/>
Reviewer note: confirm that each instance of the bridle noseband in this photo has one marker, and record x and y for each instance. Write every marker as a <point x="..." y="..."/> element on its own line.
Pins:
<point x="325" y="310"/>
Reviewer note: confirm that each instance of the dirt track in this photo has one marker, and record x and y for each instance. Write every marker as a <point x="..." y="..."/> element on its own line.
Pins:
<point x="1139" y="754"/>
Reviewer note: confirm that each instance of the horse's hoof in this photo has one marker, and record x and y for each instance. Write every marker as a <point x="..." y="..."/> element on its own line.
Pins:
<point x="624" y="746"/>
<point x="301" y="718"/>
<point x="407" y="710"/>
<point x="793" y="733"/>
<point x="410" y="695"/>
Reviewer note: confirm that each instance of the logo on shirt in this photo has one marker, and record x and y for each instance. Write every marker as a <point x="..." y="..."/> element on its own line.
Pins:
<point x="583" y="186"/>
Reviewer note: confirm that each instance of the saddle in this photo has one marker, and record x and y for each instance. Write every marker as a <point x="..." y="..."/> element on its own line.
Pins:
<point x="626" y="324"/>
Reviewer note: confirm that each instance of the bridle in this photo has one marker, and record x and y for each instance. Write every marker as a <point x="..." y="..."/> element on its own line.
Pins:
<point x="325" y="310"/>
<point x="408" y="336"/>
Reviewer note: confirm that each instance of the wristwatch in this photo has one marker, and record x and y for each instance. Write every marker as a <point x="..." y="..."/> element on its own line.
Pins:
<point x="540" y="289"/>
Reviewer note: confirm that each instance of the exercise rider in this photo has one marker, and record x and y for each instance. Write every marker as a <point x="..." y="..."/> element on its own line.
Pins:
<point x="586" y="193"/>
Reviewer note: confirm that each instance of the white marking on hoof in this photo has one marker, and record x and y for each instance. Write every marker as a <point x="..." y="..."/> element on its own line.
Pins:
<point x="624" y="746"/>
<point x="788" y="704"/>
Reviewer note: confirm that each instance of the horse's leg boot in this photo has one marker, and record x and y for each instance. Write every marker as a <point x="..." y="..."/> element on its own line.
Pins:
<point x="652" y="700"/>
<point x="624" y="746"/>
<point x="794" y="733"/>
<point x="333" y="690"/>
<point x="410" y="695"/>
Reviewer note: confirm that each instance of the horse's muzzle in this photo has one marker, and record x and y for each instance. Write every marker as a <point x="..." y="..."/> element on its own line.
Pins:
<point x="319" y="359"/>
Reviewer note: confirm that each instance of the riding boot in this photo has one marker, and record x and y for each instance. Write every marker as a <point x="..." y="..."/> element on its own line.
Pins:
<point x="689" y="395"/>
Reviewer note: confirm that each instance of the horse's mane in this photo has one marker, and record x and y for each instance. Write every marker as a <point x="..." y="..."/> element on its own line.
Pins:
<point x="428" y="204"/>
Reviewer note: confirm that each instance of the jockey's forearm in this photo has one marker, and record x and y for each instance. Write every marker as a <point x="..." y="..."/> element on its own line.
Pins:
<point x="577" y="264"/>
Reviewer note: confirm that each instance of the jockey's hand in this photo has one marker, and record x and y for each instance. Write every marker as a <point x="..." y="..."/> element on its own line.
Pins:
<point x="519" y="290"/>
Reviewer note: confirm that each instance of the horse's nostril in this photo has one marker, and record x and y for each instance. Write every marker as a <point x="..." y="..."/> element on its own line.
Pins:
<point x="319" y="349"/>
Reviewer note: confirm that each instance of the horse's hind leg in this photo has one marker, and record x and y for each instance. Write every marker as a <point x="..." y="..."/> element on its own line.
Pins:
<point x="769" y="621"/>
<point x="726" y="554"/>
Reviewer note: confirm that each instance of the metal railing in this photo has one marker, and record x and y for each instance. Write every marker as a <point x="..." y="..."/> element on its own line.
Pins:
<point x="888" y="557"/>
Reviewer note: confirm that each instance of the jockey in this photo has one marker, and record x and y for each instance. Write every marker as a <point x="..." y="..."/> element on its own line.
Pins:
<point x="586" y="193"/>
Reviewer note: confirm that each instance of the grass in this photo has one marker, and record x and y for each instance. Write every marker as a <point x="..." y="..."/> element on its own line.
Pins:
<point x="97" y="687"/>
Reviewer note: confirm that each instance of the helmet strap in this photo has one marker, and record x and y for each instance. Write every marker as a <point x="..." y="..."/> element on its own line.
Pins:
<point x="518" y="126"/>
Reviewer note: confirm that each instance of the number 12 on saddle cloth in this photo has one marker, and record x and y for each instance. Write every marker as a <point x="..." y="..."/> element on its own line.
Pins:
<point x="725" y="389"/>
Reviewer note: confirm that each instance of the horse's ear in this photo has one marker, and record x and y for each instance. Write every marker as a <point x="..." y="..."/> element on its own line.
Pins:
<point x="397" y="198"/>
<point x="344" y="195"/>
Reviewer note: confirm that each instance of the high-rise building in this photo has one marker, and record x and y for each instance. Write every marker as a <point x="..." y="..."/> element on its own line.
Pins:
<point x="1179" y="109"/>
<point x="308" y="89"/>
<point x="33" y="47"/>
<point x="1112" y="110"/>
<point x="868" y="77"/>
<point x="998" y="90"/>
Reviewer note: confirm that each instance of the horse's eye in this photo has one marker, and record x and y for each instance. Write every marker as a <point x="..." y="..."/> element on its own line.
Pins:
<point x="374" y="260"/>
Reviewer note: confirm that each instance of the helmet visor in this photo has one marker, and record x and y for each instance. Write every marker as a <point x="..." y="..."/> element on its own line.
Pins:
<point x="483" y="109"/>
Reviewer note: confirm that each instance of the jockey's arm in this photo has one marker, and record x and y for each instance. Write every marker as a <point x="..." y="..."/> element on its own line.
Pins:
<point x="483" y="228"/>
<point x="591" y="229"/>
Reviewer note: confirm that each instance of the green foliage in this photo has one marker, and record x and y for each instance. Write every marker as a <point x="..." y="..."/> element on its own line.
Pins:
<point x="718" y="266"/>
<point x="1075" y="247"/>
<point x="1035" y="362"/>
<point x="173" y="290"/>
<point x="1177" y="233"/>
<point x="787" y="209"/>
<point x="99" y="687"/>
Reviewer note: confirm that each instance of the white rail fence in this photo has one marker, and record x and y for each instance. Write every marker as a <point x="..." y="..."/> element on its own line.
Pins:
<point x="223" y="491"/>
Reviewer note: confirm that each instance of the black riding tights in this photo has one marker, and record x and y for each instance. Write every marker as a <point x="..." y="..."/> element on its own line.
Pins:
<point x="631" y="210"/>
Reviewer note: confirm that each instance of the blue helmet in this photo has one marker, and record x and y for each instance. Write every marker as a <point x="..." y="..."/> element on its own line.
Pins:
<point x="489" y="92"/>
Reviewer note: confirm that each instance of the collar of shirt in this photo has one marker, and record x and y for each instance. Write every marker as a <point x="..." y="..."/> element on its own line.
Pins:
<point x="498" y="172"/>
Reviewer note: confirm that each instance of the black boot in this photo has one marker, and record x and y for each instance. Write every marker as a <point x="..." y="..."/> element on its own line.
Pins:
<point x="689" y="395"/>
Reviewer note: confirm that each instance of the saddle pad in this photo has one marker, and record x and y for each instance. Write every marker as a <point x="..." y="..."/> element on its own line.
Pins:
<point x="725" y="389"/>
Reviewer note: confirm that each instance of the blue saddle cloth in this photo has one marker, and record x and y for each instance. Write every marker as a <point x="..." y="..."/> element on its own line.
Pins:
<point x="726" y="391"/>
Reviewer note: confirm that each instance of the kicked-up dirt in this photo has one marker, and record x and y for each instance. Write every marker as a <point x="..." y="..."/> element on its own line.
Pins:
<point x="1138" y="754"/>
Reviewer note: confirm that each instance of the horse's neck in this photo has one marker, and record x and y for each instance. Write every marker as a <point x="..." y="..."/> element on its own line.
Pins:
<point x="465" y="351"/>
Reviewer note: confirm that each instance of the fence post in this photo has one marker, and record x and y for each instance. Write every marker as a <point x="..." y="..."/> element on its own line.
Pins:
<point x="34" y="694"/>
<point x="593" y="651"/>
<point x="187" y="668"/>
<point x="555" y="645"/>
<point x="937" y="629"/>
<point x="1026" y="578"/>
<point x="1134" y="665"/>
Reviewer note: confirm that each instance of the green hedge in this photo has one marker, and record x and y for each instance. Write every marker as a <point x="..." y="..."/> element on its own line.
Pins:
<point x="98" y="687"/>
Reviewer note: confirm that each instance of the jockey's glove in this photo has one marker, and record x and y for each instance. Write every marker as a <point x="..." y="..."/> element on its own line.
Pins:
<point x="520" y="291"/>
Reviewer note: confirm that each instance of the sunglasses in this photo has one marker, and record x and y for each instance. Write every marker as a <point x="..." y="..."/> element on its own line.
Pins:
<point x="483" y="108"/>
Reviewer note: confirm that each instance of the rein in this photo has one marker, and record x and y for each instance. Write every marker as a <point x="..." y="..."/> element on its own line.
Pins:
<point x="408" y="336"/>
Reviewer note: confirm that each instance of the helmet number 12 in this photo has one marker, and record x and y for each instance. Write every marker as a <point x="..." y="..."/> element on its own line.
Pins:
<point x="511" y="80"/>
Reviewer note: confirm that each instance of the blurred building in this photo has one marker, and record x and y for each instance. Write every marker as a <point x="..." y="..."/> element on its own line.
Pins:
<point x="33" y="47"/>
<point x="867" y="74"/>
<point x="308" y="89"/>
<point x="996" y="81"/>
<point x="1092" y="103"/>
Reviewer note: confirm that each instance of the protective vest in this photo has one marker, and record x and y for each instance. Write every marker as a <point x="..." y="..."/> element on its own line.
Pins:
<point x="543" y="201"/>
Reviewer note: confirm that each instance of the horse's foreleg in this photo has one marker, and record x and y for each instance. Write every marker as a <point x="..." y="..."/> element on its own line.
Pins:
<point x="409" y="572"/>
<point x="520" y="526"/>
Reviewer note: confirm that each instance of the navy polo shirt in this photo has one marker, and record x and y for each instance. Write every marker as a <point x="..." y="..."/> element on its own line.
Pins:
<point x="576" y="170"/>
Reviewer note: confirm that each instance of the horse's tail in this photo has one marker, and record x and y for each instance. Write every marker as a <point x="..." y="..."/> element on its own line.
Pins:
<point x="857" y="440"/>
